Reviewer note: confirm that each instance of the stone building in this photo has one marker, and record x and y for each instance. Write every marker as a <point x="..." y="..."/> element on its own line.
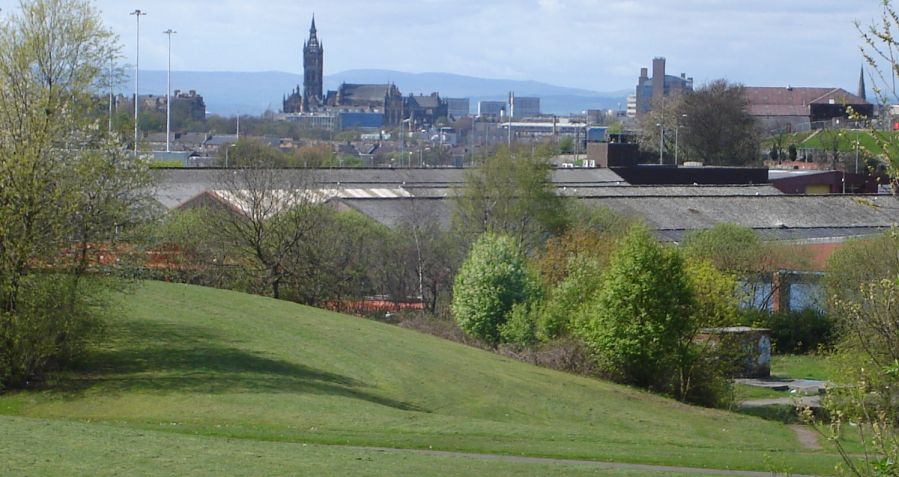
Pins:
<point x="659" y="86"/>
<point x="354" y="99"/>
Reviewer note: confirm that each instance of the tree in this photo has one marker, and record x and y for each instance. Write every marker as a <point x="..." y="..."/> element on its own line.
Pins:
<point x="717" y="128"/>
<point x="251" y="152"/>
<point x="636" y="323"/>
<point x="662" y="120"/>
<point x="511" y="193"/>
<point x="880" y="50"/>
<point x="66" y="188"/>
<point x="267" y="216"/>
<point x="493" y="279"/>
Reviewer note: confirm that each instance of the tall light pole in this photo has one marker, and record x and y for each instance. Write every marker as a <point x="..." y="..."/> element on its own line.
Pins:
<point x="137" y="14"/>
<point x="661" y="142"/>
<point x="168" y="98"/>
<point x="676" y="144"/>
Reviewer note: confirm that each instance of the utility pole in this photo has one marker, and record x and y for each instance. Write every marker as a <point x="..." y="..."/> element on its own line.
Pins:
<point x="137" y="14"/>
<point x="111" y="73"/>
<point x="168" y="98"/>
<point x="661" y="142"/>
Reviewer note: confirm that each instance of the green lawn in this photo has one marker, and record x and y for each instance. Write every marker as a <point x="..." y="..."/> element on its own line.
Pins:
<point x="801" y="366"/>
<point x="194" y="368"/>
<point x="846" y="139"/>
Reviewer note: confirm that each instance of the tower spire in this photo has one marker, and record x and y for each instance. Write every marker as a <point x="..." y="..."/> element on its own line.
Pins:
<point x="861" y="84"/>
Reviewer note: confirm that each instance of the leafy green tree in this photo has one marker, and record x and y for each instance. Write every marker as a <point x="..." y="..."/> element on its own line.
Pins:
<point x="636" y="323"/>
<point x="661" y="122"/>
<point x="717" y="128"/>
<point x="66" y="188"/>
<point x="511" y="193"/>
<point x="492" y="280"/>
<point x="253" y="153"/>
<point x="859" y="261"/>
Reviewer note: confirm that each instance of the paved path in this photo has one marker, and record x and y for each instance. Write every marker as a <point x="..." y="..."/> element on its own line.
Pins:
<point x="589" y="463"/>
<point x="804" y="401"/>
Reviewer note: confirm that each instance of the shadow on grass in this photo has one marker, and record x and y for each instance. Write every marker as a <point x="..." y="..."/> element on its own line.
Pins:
<point x="153" y="357"/>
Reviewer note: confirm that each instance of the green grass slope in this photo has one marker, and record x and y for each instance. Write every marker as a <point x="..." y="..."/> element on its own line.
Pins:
<point x="226" y="366"/>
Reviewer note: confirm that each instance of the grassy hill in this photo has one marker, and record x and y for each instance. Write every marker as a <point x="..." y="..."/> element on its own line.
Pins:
<point x="188" y="370"/>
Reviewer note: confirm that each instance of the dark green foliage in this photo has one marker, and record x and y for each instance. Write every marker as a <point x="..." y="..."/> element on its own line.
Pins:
<point x="582" y="282"/>
<point x="794" y="332"/>
<point x="717" y="127"/>
<point x="637" y="321"/>
<point x="55" y="318"/>
<point x="492" y="280"/>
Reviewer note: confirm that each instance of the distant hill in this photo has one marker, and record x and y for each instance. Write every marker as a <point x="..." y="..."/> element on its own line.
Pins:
<point x="229" y="93"/>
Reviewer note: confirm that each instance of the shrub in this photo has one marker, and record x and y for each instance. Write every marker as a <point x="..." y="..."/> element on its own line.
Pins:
<point x="637" y="321"/>
<point x="491" y="281"/>
<point x="794" y="332"/>
<point x="567" y="298"/>
<point x="52" y="325"/>
<point x="520" y="329"/>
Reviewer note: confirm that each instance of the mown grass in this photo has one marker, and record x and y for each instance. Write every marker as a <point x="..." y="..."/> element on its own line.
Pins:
<point x="48" y="448"/>
<point x="184" y="360"/>
<point x="801" y="366"/>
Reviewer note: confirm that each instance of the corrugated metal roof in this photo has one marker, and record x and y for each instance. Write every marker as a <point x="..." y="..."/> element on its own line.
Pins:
<point x="175" y="186"/>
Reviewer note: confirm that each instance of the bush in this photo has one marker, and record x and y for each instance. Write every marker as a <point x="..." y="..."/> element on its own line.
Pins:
<point x="794" y="332"/>
<point x="520" y="329"/>
<point x="637" y="323"/>
<point x="53" y="323"/>
<point x="567" y="298"/>
<point x="491" y="281"/>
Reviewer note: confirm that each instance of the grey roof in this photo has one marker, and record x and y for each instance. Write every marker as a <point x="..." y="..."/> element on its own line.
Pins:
<point x="625" y="190"/>
<point x="782" y="217"/>
<point x="775" y="217"/>
<point x="395" y="212"/>
<point x="425" y="101"/>
<point x="669" y="210"/>
<point x="364" y="92"/>
<point x="176" y="186"/>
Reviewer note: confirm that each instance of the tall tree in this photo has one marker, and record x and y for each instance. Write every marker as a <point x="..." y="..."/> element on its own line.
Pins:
<point x="511" y="193"/>
<point x="65" y="186"/>
<point x="266" y="217"/>
<point x="717" y="128"/>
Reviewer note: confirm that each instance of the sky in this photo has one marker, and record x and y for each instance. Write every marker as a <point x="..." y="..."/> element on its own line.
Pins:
<point x="599" y="45"/>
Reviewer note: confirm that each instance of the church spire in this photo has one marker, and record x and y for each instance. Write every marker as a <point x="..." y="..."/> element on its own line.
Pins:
<point x="861" y="84"/>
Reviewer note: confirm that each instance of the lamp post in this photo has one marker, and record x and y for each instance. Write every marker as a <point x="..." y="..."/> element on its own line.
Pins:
<point x="661" y="142"/>
<point x="676" y="143"/>
<point x="168" y="98"/>
<point x="137" y="14"/>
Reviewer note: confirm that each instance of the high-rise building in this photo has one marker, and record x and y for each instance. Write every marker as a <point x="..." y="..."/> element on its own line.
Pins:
<point x="523" y="106"/>
<point x="491" y="109"/>
<point x="659" y="86"/>
<point x="458" y="107"/>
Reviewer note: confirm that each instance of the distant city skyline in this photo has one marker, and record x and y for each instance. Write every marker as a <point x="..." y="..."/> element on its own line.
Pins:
<point x="590" y="44"/>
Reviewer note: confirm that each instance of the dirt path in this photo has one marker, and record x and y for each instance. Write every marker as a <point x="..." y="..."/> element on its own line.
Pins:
<point x="590" y="463"/>
<point x="807" y="437"/>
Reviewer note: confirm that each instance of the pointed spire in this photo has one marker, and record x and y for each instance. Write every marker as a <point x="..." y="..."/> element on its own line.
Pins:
<point x="313" y="30"/>
<point x="861" y="84"/>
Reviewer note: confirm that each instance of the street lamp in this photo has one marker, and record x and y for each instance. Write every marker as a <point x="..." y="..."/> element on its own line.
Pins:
<point x="676" y="144"/>
<point x="168" y="98"/>
<point x="137" y="14"/>
<point x="661" y="142"/>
